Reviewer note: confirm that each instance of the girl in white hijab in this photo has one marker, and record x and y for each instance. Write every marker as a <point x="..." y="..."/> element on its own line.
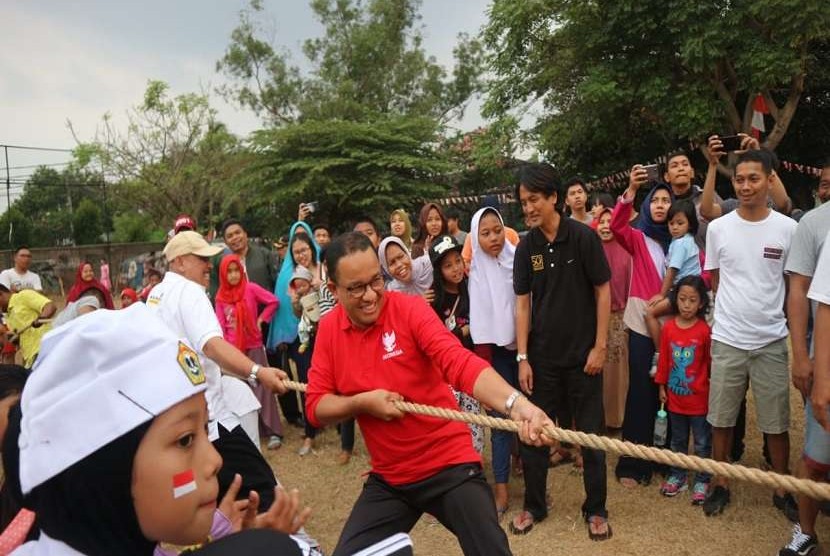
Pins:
<point x="493" y="324"/>
<point x="412" y="276"/>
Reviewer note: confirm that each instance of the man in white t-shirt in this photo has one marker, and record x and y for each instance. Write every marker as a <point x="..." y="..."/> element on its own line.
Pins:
<point x="745" y="252"/>
<point x="820" y="293"/>
<point x="181" y="302"/>
<point x="19" y="277"/>
<point x="802" y="261"/>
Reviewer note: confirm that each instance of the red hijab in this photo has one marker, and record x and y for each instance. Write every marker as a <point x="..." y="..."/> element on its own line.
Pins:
<point x="235" y="295"/>
<point x="80" y="286"/>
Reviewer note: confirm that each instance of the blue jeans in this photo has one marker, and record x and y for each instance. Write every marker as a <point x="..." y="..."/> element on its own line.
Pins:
<point x="702" y="432"/>
<point x="504" y="362"/>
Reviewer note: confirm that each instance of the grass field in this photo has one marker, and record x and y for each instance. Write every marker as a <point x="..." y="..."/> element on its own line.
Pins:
<point x="644" y="522"/>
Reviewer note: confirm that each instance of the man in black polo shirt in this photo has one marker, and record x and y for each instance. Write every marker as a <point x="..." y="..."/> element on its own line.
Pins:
<point x="561" y="279"/>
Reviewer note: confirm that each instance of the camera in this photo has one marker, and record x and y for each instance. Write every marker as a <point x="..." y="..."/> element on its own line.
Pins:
<point x="312" y="206"/>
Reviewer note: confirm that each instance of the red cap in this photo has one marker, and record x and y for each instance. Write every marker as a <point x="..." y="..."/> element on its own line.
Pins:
<point x="184" y="222"/>
<point x="130" y="293"/>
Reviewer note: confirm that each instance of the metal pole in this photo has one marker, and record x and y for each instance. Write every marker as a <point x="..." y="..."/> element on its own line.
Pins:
<point x="8" y="194"/>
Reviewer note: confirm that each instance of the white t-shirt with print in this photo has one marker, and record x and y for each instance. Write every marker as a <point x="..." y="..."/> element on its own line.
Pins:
<point x="184" y="306"/>
<point x="16" y="281"/>
<point x="749" y="257"/>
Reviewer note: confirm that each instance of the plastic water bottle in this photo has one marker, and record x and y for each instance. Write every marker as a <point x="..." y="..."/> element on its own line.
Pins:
<point x="661" y="427"/>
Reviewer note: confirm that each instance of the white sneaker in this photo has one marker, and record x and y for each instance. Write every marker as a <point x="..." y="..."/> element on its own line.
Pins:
<point x="274" y="442"/>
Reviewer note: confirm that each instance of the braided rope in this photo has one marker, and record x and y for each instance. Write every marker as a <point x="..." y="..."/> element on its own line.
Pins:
<point x="815" y="490"/>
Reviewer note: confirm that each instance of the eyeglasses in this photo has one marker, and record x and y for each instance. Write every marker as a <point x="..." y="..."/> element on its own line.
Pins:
<point x="358" y="291"/>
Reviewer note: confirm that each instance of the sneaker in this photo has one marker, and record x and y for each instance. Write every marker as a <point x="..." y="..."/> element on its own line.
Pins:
<point x="304" y="450"/>
<point x="653" y="370"/>
<point x="674" y="486"/>
<point x="699" y="492"/>
<point x="274" y="442"/>
<point x="800" y="545"/>
<point x="716" y="501"/>
<point x="787" y="505"/>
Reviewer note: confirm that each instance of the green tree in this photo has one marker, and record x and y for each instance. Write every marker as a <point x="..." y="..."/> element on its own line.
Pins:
<point x="369" y="61"/>
<point x="629" y="79"/>
<point x="50" y="199"/>
<point x="360" y="131"/>
<point x="350" y="168"/>
<point x="15" y="229"/>
<point x="88" y="223"/>
<point x="132" y="227"/>
<point x="173" y="157"/>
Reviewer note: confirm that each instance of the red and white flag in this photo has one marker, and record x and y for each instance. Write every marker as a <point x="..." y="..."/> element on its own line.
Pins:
<point x="183" y="483"/>
<point x="759" y="108"/>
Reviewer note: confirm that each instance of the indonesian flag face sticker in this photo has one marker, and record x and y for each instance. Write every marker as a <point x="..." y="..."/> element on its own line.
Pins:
<point x="183" y="483"/>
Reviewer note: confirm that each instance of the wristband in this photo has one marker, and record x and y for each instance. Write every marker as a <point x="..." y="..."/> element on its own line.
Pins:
<point x="521" y="357"/>
<point x="511" y="401"/>
<point x="253" y="374"/>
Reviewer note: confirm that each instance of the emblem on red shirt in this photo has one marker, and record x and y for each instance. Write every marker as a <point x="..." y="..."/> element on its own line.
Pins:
<point x="389" y="341"/>
<point x="390" y="345"/>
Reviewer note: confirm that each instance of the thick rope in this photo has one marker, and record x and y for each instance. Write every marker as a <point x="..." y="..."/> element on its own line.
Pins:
<point x="813" y="489"/>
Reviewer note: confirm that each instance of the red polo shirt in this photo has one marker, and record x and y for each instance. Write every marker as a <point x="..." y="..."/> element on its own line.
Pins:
<point x="408" y="351"/>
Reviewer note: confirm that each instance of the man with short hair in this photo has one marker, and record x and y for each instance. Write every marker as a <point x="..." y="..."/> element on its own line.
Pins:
<point x="576" y="199"/>
<point x="377" y="347"/>
<point x="181" y="302"/>
<point x="322" y="234"/>
<point x="745" y="253"/>
<point x="261" y="264"/>
<point x="823" y="192"/>
<point x="805" y="252"/>
<point x="454" y="224"/>
<point x="366" y="226"/>
<point x="561" y="275"/>
<point x="19" y="277"/>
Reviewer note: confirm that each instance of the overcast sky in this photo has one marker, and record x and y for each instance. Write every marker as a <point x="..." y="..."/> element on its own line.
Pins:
<point x="80" y="59"/>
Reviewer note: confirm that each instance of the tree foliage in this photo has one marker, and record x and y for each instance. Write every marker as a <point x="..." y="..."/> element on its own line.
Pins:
<point x="626" y="79"/>
<point x="369" y="62"/>
<point x="350" y="168"/>
<point x="173" y="157"/>
<point x="51" y="201"/>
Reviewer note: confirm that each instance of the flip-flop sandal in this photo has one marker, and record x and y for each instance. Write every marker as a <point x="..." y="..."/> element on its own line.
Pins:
<point x="526" y="525"/>
<point x="501" y="512"/>
<point x="560" y="457"/>
<point x="599" y="520"/>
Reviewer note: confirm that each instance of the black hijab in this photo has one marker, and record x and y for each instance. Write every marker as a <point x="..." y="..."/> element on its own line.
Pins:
<point x="90" y="505"/>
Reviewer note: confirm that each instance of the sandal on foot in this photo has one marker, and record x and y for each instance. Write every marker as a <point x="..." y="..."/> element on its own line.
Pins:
<point x="501" y="512"/>
<point x="597" y="522"/>
<point x="560" y="456"/>
<point x="524" y="525"/>
<point x="629" y="482"/>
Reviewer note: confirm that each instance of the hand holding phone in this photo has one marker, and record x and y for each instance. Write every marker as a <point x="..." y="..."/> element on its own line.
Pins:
<point x="731" y="143"/>
<point x="653" y="172"/>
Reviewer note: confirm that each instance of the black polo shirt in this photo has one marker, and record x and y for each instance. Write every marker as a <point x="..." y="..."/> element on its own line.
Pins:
<point x="560" y="277"/>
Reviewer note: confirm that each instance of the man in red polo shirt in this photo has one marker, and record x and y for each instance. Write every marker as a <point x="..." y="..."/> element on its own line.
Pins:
<point x="376" y="347"/>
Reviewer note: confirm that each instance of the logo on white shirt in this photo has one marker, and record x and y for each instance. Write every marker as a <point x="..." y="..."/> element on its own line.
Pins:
<point x="390" y="345"/>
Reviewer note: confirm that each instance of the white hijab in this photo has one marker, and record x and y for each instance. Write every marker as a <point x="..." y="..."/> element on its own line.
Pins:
<point x="421" y="269"/>
<point x="492" y="301"/>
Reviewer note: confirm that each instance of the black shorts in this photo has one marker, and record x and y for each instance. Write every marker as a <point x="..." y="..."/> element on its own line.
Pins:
<point x="240" y="455"/>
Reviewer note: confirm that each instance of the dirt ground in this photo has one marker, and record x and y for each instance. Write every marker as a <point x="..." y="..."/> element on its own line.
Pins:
<point x="644" y="522"/>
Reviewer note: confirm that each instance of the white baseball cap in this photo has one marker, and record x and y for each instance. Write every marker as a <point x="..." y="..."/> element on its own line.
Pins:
<point x="94" y="381"/>
<point x="189" y="242"/>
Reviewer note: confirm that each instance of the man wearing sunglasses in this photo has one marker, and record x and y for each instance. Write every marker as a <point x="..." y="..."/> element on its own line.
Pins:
<point x="378" y="347"/>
